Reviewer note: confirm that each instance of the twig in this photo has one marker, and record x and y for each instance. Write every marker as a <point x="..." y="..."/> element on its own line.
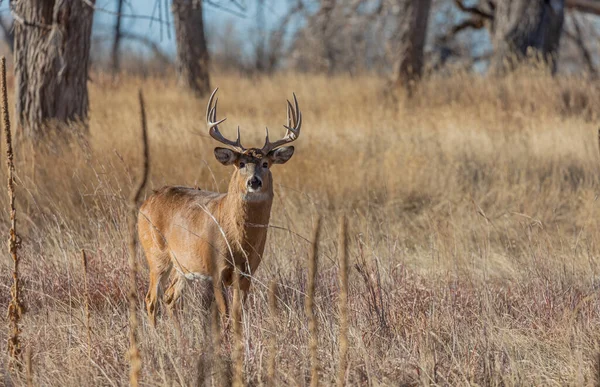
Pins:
<point x="123" y="15"/>
<point x="87" y="303"/>
<point x="148" y="42"/>
<point x="135" y="361"/>
<point x="238" y="344"/>
<point x="216" y="362"/>
<point x="28" y="367"/>
<point x="474" y="10"/>
<point x="343" y="303"/>
<point x="273" y="338"/>
<point x="310" y="301"/>
<point x="15" y="307"/>
<point x="597" y="370"/>
<point x="19" y="19"/>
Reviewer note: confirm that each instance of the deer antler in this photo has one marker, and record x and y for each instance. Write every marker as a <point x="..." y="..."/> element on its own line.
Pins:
<point x="213" y="125"/>
<point x="294" y="122"/>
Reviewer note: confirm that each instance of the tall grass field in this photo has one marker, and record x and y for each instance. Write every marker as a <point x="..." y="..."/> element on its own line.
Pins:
<point x="473" y="233"/>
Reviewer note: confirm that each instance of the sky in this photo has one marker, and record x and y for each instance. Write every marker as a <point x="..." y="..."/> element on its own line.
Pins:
<point x="137" y="15"/>
<point x="215" y="13"/>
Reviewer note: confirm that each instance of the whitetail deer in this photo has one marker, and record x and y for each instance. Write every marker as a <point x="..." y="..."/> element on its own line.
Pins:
<point x="187" y="233"/>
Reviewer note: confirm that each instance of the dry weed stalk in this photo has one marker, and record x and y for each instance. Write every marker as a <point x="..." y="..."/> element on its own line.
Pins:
<point x="238" y="343"/>
<point x="597" y="359"/>
<point x="28" y="367"/>
<point x="86" y="302"/>
<point x="219" y="299"/>
<point x="343" y="303"/>
<point x="216" y="362"/>
<point x="273" y="338"/>
<point x="135" y="361"/>
<point x="310" y="301"/>
<point x="15" y="307"/>
<point x="372" y="278"/>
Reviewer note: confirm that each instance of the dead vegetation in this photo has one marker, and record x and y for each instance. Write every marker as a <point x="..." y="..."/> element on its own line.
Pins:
<point x="472" y="245"/>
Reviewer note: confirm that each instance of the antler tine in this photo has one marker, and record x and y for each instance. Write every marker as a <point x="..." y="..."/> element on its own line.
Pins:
<point x="208" y="106"/>
<point x="213" y="125"/>
<point x="294" y="122"/>
<point x="291" y="115"/>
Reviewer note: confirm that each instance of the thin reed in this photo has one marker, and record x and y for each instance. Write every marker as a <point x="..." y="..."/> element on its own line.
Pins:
<point x="86" y="302"/>
<point x="217" y="373"/>
<point x="313" y="343"/>
<point x="271" y="381"/>
<point x="15" y="307"/>
<point x="237" y="355"/>
<point x="343" y="302"/>
<point x="135" y="361"/>
<point x="29" y="367"/>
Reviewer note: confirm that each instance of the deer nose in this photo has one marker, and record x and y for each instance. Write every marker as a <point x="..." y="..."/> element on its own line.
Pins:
<point x="254" y="183"/>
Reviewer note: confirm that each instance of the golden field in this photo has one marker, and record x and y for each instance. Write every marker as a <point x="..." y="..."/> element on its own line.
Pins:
<point x="474" y="231"/>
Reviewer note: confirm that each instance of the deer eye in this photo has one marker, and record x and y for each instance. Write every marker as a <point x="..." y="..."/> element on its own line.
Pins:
<point x="265" y="165"/>
<point x="242" y="164"/>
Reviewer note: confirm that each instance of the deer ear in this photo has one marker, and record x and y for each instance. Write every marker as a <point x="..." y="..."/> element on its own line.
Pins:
<point x="281" y="155"/>
<point x="226" y="156"/>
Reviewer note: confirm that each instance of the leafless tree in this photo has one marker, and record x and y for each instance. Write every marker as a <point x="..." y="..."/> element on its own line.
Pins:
<point x="342" y="36"/>
<point x="51" y="55"/>
<point x="192" y="61"/>
<point x="270" y="44"/>
<point x="525" y="27"/>
<point x="412" y="33"/>
<point x="519" y="29"/>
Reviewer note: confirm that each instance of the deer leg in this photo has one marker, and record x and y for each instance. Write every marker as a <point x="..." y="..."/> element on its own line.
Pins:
<point x="174" y="290"/>
<point x="245" y="283"/>
<point x="172" y="295"/>
<point x="151" y="298"/>
<point x="241" y="285"/>
<point x="158" y="274"/>
<point x="224" y="279"/>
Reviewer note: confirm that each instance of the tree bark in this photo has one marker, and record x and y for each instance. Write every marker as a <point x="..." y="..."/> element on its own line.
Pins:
<point x="526" y="27"/>
<point x="51" y="55"/>
<point x="412" y="35"/>
<point x="192" y="52"/>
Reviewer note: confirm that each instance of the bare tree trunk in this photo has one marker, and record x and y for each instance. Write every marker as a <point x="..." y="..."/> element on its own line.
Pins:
<point x="260" y="47"/>
<point x="192" y="51"/>
<point x="323" y="18"/>
<point x="525" y="27"/>
<point x="413" y="33"/>
<point x="116" y="54"/>
<point x="52" y="45"/>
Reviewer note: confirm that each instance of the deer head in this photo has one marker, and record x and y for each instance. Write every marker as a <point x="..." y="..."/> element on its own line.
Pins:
<point x="252" y="176"/>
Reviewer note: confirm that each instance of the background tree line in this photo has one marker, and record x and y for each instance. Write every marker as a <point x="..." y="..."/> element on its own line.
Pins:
<point x="51" y="41"/>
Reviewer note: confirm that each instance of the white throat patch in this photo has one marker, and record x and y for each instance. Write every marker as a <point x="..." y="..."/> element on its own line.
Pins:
<point x="256" y="196"/>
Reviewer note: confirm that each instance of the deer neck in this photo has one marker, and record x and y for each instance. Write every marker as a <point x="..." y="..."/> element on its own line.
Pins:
<point x="246" y="218"/>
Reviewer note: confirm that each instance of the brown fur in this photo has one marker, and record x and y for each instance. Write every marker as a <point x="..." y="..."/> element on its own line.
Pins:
<point x="184" y="231"/>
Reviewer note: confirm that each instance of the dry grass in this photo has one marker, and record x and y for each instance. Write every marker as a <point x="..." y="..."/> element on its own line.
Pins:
<point x="473" y="233"/>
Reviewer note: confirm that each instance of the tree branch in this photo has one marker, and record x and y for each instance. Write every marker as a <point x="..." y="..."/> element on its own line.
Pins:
<point x="587" y="6"/>
<point x="148" y="42"/>
<point x="473" y="10"/>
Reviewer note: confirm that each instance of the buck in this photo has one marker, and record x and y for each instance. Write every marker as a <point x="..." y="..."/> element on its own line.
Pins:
<point x="188" y="233"/>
